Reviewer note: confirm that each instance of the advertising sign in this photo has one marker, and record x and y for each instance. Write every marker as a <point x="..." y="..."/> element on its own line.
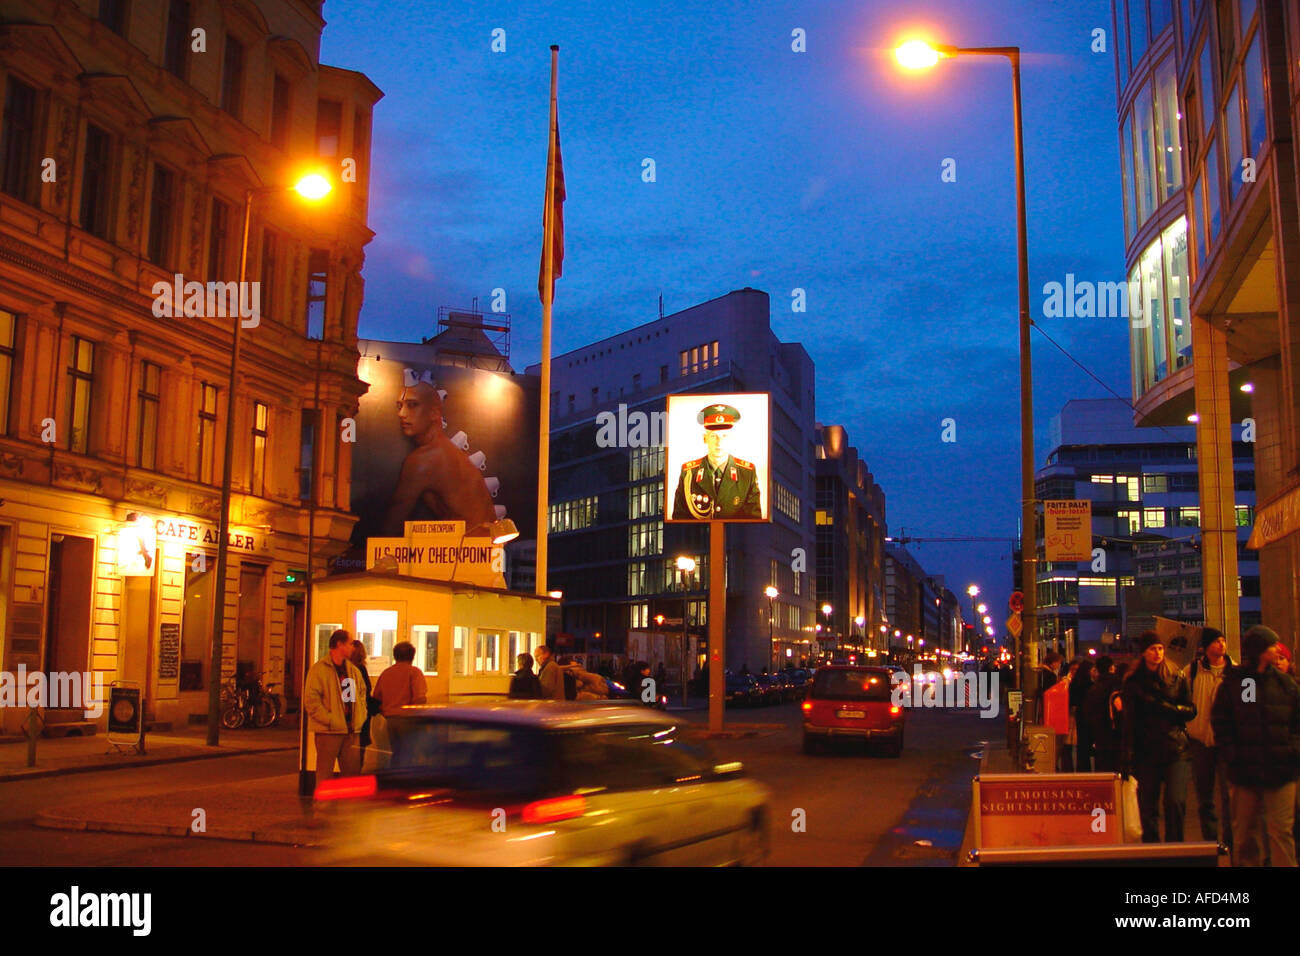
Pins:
<point x="441" y="443"/>
<point x="1067" y="528"/>
<point x="1027" y="810"/>
<point x="717" y="458"/>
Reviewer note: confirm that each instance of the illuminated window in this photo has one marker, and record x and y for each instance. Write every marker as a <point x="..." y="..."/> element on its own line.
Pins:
<point x="648" y="462"/>
<point x="148" y="399"/>
<point x="425" y="639"/>
<point x="207" y="436"/>
<point x="80" y="380"/>
<point x="8" y="324"/>
<point x="487" y="652"/>
<point x="1153" y="517"/>
<point x="572" y="515"/>
<point x="257" y="471"/>
<point x="460" y="638"/>
<point x="644" y="539"/>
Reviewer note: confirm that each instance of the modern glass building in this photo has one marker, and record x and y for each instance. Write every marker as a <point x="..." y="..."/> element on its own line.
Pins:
<point x="1206" y="111"/>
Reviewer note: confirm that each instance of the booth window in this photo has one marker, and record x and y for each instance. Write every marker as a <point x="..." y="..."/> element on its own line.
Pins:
<point x="377" y="631"/>
<point x="487" y="654"/>
<point x="460" y="637"/>
<point x="425" y="639"/>
<point x="323" y="632"/>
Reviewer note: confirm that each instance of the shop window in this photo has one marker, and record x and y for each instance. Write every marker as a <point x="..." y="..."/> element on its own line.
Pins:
<point x="425" y="639"/>
<point x="196" y="620"/>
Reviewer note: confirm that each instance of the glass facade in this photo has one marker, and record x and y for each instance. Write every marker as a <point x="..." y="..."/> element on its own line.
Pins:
<point x="1161" y="337"/>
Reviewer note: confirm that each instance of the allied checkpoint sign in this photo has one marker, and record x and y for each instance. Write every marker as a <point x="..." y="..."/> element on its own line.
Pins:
<point x="1047" y="809"/>
<point x="717" y="459"/>
<point x="439" y="551"/>
<point x="1067" y="530"/>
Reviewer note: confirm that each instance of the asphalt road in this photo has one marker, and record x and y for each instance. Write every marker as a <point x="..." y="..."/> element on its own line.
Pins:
<point x="852" y="807"/>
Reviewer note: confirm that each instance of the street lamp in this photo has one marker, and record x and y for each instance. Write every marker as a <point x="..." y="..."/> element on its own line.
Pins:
<point x="313" y="187"/>
<point x="772" y="594"/>
<point x="918" y="55"/>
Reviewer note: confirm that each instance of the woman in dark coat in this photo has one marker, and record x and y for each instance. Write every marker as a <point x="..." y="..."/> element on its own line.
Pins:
<point x="1157" y="704"/>
<point x="372" y="705"/>
<point x="1082" y="734"/>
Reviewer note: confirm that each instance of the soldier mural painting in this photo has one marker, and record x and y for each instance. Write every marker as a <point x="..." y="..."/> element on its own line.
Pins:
<point x="730" y="481"/>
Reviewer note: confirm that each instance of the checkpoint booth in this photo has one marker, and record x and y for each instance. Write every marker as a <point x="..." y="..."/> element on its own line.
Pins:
<point x="444" y="593"/>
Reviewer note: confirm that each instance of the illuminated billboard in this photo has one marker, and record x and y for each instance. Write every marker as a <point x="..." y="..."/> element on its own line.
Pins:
<point x="717" y="458"/>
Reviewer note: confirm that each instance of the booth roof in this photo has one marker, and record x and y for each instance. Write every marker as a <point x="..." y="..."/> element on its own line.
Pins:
<point x="374" y="577"/>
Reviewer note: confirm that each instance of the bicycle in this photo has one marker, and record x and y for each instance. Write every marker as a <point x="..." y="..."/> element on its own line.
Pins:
<point x="247" y="702"/>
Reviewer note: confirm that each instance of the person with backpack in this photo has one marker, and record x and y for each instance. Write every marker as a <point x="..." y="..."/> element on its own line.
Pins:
<point x="549" y="674"/>
<point x="1157" y="704"/>
<point x="1100" y="716"/>
<point x="1209" y="775"/>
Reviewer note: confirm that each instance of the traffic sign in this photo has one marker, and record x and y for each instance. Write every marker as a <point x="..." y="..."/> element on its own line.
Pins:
<point x="1017" y="601"/>
<point x="1014" y="627"/>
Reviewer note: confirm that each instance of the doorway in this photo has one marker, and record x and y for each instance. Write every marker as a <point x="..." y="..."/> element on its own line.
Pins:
<point x="71" y="590"/>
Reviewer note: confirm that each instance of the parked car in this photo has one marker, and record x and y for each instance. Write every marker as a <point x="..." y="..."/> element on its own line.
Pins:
<point x="801" y="680"/>
<point x="769" y="688"/>
<point x="742" y="690"/>
<point x="852" y="702"/>
<point x="527" y="783"/>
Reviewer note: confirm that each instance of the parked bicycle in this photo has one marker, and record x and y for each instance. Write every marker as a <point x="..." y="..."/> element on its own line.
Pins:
<point x="248" y="702"/>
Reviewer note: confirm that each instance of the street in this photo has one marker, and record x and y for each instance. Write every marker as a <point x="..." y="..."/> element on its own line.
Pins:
<point x="858" y="808"/>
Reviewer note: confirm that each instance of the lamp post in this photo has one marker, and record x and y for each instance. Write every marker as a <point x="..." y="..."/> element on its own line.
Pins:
<point x="830" y="634"/>
<point x="313" y="187"/>
<point x="772" y="594"/>
<point x="918" y="55"/>
<point x="686" y="565"/>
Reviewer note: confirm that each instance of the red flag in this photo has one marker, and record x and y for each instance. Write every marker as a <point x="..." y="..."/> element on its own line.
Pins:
<point x="553" y="210"/>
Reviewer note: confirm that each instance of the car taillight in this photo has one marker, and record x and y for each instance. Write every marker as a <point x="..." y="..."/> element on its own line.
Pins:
<point x="807" y="705"/>
<point x="347" y="788"/>
<point x="555" y="809"/>
<point x="894" y="710"/>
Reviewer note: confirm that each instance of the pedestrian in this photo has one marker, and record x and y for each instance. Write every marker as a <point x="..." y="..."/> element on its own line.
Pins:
<point x="335" y="710"/>
<point x="550" y="676"/>
<point x="524" y="684"/>
<point x="358" y="657"/>
<point x="1099" y="718"/>
<point x="400" y="685"/>
<point x="1256" y="721"/>
<point x="1047" y="676"/>
<point x="1079" y="729"/>
<point x="1209" y="775"/>
<point x="1157" y="706"/>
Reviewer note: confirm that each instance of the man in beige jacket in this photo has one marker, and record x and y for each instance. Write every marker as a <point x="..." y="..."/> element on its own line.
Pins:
<point x="335" y="704"/>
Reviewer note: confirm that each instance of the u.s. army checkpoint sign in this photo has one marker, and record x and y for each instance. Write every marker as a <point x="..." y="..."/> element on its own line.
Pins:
<point x="440" y="551"/>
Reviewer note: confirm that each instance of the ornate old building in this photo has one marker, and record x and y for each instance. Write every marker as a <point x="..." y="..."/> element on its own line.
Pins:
<point x="134" y="132"/>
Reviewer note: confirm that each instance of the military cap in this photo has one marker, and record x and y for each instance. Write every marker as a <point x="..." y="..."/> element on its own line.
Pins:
<point x="717" y="417"/>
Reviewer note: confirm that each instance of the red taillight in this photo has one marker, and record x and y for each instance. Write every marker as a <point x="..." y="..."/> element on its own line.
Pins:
<point x="347" y="788"/>
<point x="807" y="705"/>
<point x="894" y="710"/>
<point x="555" y="809"/>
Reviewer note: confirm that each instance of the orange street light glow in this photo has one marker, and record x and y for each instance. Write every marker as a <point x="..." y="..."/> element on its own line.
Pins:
<point x="313" y="186"/>
<point x="917" y="55"/>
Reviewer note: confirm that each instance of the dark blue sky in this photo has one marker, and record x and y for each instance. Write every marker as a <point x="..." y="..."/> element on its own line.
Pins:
<point x="777" y="170"/>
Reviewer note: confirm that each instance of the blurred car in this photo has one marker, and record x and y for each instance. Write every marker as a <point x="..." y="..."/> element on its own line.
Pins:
<point x="787" y="685"/>
<point x="620" y="694"/>
<point x="855" y="702"/>
<point x="527" y="783"/>
<point x="770" y="689"/>
<point x="741" y="690"/>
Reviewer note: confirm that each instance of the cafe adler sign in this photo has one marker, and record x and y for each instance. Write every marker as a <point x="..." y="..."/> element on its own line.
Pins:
<point x="206" y="535"/>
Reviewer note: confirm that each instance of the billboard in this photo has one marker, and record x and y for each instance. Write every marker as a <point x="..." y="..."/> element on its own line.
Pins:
<point x="717" y="459"/>
<point x="442" y="443"/>
<point x="1068" y="530"/>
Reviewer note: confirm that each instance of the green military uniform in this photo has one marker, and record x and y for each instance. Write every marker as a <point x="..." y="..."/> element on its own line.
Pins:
<point x="729" y="491"/>
<point x="704" y="493"/>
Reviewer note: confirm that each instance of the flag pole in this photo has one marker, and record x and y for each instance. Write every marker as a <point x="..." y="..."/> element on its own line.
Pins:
<point x="548" y="295"/>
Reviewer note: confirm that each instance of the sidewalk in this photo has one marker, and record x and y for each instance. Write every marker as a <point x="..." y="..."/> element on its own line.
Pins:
<point x="65" y="755"/>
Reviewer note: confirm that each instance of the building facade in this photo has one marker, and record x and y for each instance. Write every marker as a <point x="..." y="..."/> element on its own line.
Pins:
<point x="133" y="133"/>
<point x="1146" y="530"/>
<point x="1207" y="110"/>
<point x="850" y="529"/>
<point x="610" y="551"/>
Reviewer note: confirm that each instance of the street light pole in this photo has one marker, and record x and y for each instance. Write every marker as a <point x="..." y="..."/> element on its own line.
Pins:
<point x="919" y="55"/>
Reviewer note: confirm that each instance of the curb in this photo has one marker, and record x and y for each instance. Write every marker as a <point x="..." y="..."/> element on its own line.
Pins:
<point x="50" y="821"/>
<point x="36" y="772"/>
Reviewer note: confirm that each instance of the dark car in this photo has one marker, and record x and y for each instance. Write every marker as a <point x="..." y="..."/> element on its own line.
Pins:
<point x="800" y="678"/>
<point x="769" y="688"/>
<point x="853" y="702"/>
<point x="742" y="690"/>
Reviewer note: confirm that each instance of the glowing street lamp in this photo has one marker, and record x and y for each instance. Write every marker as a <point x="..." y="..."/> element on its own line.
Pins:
<point x="916" y="54"/>
<point x="772" y="594"/>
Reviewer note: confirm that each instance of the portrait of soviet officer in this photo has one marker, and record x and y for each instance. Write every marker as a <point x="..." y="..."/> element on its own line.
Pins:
<point x="435" y="472"/>
<point x="717" y="485"/>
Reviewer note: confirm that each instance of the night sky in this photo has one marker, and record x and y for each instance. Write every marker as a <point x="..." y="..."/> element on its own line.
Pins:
<point x="778" y="170"/>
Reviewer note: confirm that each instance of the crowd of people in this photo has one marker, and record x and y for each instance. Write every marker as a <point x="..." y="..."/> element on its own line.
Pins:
<point x="1230" y="730"/>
